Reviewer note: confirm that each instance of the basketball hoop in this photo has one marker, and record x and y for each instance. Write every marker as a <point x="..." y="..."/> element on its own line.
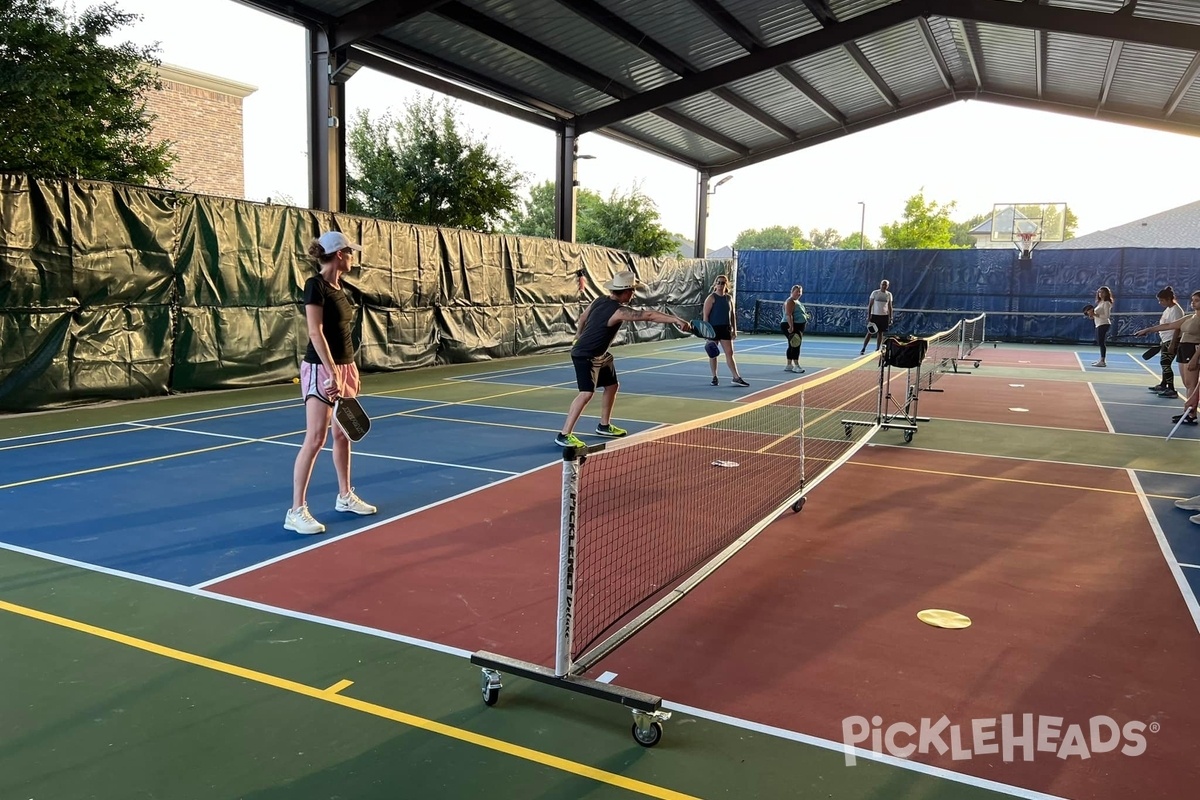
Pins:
<point x="1025" y="243"/>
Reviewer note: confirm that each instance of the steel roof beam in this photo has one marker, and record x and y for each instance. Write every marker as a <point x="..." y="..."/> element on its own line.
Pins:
<point x="1183" y="87"/>
<point x="1089" y="112"/>
<point x="1110" y="70"/>
<point x="608" y="21"/>
<point x="824" y="15"/>
<point x="974" y="52"/>
<point x="768" y="153"/>
<point x="935" y="53"/>
<point x="376" y="17"/>
<point x="434" y="83"/>
<point x="460" y="14"/>
<point x="728" y="24"/>
<point x="1039" y="62"/>
<point x="819" y="100"/>
<point x="760" y="61"/>
<point x="1122" y="25"/>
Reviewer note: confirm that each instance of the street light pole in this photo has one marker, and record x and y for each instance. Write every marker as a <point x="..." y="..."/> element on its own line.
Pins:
<point x="862" y="227"/>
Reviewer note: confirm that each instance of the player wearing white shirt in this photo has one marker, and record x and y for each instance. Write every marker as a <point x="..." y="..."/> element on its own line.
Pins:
<point x="879" y="314"/>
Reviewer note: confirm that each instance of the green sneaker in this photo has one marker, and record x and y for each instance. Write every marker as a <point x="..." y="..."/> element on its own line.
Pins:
<point x="612" y="431"/>
<point x="569" y="440"/>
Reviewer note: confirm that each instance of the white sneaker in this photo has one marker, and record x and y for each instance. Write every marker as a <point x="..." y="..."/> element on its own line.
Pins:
<point x="1195" y="518"/>
<point x="301" y="521"/>
<point x="352" y="503"/>
<point x="1099" y="364"/>
<point x="1191" y="504"/>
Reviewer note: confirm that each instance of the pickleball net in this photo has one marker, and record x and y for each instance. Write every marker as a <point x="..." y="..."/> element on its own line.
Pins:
<point x="649" y="517"/>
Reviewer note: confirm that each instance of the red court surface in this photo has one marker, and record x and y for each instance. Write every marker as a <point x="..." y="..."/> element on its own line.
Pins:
<point x="1015" y="401"/>
<point x="1075" y="612"/>
<point x="1005" y="356"/>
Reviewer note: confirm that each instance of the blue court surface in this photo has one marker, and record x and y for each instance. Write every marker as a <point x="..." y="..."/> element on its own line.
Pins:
<point x="1181" y="535"/>
<point x="1135" y="410"/>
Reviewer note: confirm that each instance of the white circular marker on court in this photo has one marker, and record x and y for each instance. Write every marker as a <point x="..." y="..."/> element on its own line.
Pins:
<point x="1024" y="362"/>
<point x="1019" y="409"/>
<point x="1017" y="385"/>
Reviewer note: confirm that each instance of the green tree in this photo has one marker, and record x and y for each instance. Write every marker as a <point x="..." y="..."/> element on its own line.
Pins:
<point x="926" y="225"/>
<point x="776" y="237"/>
<point x="828" y="239"/>
<point x="960" y="232"/>
<point x="424" y="168"/>
<point x="851" y="242"/>
<point x="628" y="222"/>
<point x="72" y="105"/>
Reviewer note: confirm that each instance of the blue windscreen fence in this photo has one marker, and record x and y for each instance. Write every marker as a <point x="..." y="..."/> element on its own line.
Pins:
<point x="1037" y="300"/>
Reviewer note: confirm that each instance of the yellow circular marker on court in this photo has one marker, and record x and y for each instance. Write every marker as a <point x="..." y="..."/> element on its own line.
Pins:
<point x="941" y="618"/>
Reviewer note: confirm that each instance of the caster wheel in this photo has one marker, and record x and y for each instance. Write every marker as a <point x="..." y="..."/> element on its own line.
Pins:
<point x="908" y="436"/>
<point x="799" y="504"/>
<point x="490" y="695"/>
<point x="650" y="737"/>
<point x="976" y="365"/>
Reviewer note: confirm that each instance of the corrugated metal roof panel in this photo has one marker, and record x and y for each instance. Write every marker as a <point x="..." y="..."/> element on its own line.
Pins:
<point x="715" y="113"/>
<point x="1184" y="11"/>
<point x="1008" y="59"/>
<point x="1103" y="6"/>
<point x="769" y="90"/>
<point x="554" y="26"/>
<point x="1146" y="76"/>
<point x="679" y="26"/>
<point x="947" y="40"/>
<point x="771" y="21"/>
<point x="847" y="9"/>
<point x="901" y="57"/>
<point x="835" y="75"/>
<point x="462" y="46"/>
<point x="684" y="144"/>
<point x="1075" y="67"/>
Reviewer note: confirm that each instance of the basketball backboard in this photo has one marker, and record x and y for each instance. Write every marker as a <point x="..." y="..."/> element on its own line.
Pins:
<point x="1044" y="222"/>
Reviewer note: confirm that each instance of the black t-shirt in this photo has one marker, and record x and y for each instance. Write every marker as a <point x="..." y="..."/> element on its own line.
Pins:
<point x="338" y="317"/>
<point x="597" y="334"/>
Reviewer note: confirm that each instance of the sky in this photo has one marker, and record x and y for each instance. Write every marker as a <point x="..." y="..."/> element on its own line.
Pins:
<point x="974" y="154"/>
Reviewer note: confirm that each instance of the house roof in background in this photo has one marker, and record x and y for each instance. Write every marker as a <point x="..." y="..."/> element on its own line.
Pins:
<point x="1176" y="227"/>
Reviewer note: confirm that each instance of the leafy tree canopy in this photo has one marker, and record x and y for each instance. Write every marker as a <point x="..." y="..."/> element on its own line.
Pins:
<point x="776" y="237"/>
<point x="424" y="168"/>
<point x="628" y="222"/>
<point x="926" y="225"/>
<point x="851" y="242"/>
<point x="75" y="107"/>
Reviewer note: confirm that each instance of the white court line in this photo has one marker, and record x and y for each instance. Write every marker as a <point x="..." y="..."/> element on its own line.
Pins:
<point x="357" y="453"/>
<point x="1185" y="588"/>
<point x="1142" y="363"/>
<point x="326" y="542"/>
<point x="713" y="716"/>
<point x="144" y="420"/>
<point x="1189" y="566"/>
<point x="1100" y="406"/>
<point x="869" y="755"/>
<point x="237" y="601"/>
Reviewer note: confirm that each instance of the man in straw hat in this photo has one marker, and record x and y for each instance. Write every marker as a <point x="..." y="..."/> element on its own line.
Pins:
<point x="596" y="330"/>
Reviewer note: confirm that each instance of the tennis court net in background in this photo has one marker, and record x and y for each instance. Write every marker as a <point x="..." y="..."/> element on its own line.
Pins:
<point x="658" y="512"/>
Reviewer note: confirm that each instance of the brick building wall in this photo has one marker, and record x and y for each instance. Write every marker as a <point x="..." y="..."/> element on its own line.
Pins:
<point x="202" y="115"/>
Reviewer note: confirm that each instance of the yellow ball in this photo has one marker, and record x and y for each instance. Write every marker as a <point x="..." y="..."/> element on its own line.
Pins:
<point x="295" y="380"/>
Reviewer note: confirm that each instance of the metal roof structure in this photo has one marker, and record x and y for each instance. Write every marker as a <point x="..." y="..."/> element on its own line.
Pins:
<point x="722" y="84"/>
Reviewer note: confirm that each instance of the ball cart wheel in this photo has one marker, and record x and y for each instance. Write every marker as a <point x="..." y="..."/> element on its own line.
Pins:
<point x="651" y="736"/>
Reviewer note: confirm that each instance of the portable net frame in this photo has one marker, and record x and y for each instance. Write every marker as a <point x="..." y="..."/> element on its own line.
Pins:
<point x="974" y="332"/>
<point x="646" y="519"/>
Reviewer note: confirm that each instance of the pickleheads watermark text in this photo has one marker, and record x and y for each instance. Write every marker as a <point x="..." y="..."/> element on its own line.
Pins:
<point x="1013" y="737"/>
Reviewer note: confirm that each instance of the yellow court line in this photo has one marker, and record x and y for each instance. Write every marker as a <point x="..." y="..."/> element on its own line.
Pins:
<point x="1012" y="480"/>
<point x="340" y="686"/>
<point x="383" y="712"/>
